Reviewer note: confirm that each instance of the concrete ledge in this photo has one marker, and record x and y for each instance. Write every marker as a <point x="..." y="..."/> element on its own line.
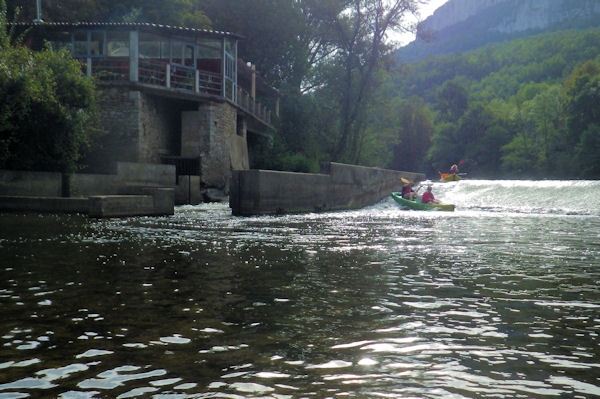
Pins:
<point x="258" y="192"/>
<point x="138" y="189"/>
<point x="102" y="206"/>
<point x="25" y="183"/>
<point x="158" y="202"/>
<point x="44" y="204"/>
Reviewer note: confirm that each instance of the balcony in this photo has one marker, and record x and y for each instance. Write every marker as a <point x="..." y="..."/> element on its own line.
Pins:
<point x="160" y="73"/>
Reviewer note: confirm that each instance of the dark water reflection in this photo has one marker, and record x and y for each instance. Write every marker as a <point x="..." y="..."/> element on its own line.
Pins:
<point x="379" y="302"/>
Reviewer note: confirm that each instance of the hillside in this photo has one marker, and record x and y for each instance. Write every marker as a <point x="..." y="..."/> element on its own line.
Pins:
<point x="523" y="108"/>
<point x="463" y="25"/>
<point x="498" y="70"/>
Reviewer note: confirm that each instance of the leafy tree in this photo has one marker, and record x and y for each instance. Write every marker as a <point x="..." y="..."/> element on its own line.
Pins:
<point x="280" y="23"/>
<point x="173" y="12"/>
<point x="588" y="152"/>
<point x="361" y="29"/>
<point x="452" y="101"/>
<point x="47" y="106"/>
<point x="445" y="149"/>
<point x="582" y="89"/>
<point x="415" y="131"/>
<point x="521" y="156"/>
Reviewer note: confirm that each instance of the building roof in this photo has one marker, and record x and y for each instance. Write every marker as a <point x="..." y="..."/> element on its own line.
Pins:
<point x="130" y="25"/>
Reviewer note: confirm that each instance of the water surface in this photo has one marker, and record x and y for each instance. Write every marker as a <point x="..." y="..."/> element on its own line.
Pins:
<point x="497" y="299"/>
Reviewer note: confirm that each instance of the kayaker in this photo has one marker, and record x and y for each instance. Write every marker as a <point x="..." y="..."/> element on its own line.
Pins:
<point x="428" y="197"/>
<point x="454" y="169"/>
<point x="408" y="192"/>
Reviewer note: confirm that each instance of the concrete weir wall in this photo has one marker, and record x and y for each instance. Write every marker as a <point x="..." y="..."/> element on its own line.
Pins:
<point x="261" y="192"/>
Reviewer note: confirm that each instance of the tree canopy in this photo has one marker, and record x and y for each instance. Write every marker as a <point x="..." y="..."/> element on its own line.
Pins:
<point x="47" y="106"/>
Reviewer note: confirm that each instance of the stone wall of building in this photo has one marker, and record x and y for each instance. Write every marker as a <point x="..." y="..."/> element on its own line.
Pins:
<point x="134" y="127"/>
<point x="137" y="126"/>
<point x="118" y="136"/>
<point x="160" y="127"/>
<point x="212" y="133"/>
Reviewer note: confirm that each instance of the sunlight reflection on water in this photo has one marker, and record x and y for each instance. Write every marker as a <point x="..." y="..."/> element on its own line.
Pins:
<point x="378" y="302"/>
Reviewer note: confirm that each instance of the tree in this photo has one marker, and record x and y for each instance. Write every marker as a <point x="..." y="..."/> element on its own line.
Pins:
<point x="274" y="33"/>
<point x="359" y="49"/>
<point x="415" y="131"/>
<point x="588" y="152"/>
<point x="173" y="12"/>
<point x="582" y="89"/>
<point x="452" y="101"/>
<point x="46" y="107"/>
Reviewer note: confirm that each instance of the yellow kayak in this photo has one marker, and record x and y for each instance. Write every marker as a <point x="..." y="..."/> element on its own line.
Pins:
<point x="446" y="177"/>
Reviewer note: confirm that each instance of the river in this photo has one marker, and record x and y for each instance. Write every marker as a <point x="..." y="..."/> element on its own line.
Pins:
<point x="499" y="299"/>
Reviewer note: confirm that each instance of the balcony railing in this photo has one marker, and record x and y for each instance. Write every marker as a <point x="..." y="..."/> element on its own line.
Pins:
<point x="161" y="73"/>
<point x="248" y="104"/>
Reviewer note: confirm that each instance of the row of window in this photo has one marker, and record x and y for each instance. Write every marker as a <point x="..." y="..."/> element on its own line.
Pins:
<point x="98" y="43"/>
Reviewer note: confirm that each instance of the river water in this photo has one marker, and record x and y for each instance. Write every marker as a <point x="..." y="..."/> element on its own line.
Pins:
<point x="499" y="299"/>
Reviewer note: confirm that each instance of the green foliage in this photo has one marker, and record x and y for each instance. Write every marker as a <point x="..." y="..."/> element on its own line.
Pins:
<point x="415" y="130"/>
<point x="588" y="152"/>
<point x="173" y="12"/>
<point x="46" y="108"/>
<point x="521" y="109"/>
<point x="452" y="101"/>
<point x="275" y="35"/>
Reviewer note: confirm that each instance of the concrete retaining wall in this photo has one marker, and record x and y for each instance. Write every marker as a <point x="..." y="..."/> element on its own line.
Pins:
<point x="258" y="192"/>
<point x="48" y="184"/>
<point x="14" y="182"/>
<point x="136" y="189"/>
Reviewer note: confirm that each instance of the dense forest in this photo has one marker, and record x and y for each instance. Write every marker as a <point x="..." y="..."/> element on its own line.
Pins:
<point x="526" y="108"/>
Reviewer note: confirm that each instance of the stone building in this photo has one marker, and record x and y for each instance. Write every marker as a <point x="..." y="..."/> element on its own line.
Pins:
<point x="170" y="95"/>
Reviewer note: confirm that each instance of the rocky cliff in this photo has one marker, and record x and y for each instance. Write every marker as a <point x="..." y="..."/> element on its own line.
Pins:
<point x="462" y="25"/>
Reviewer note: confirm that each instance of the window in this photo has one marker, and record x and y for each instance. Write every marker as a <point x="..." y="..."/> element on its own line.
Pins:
<point x="153" y="46"/>
<point x="80" y="44"/>
<point x="61" y="40"/>
<point x="117" y="44"/>
<point x="89" y="43"/>
<point x="188" y="55"/>
<point x="183" y="53"/>
<point x="97" y="40"/>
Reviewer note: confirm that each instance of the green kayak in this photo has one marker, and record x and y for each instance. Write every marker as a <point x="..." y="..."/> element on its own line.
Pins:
<point x="419" y="205"/>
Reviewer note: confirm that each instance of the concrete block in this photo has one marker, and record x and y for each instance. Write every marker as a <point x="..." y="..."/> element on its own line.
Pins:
<point x="44" y="204"/>
<point x="163" y="200"/>
<point x="145" y="173"/>
<point x="187" y="190"/>
<point x="86" y="184"/>
<point x="120" y="205"/>
<point x="26" y="183"/>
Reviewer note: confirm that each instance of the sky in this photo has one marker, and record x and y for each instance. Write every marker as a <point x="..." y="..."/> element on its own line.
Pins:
<point x="425" y="10"/>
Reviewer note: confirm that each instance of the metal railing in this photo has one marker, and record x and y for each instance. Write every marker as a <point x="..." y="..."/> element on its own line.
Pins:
<point x="250" y="105"/>
<point x="152" y="72"/>
<point x="157" y="72"/>
<point x="109" y="69"/>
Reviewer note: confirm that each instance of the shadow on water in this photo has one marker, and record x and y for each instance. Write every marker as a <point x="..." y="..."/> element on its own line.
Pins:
<point x="378" y="302"/>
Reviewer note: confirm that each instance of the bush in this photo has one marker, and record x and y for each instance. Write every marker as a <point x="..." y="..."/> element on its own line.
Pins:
<point x="47" y="108"/>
